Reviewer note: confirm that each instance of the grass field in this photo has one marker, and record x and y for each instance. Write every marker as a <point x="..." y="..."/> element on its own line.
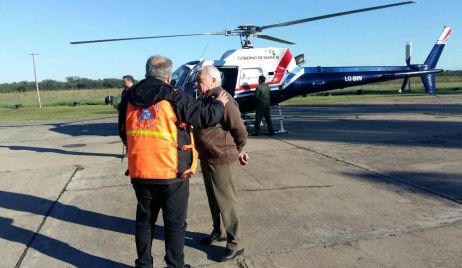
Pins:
<point x="56" y="97"/>
<point x="58" y="104"/>
<point x="56" y="112"/>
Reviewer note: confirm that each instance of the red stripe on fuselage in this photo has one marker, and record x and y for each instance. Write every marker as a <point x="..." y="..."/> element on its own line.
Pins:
<point x="282" y="66"/>
<point x="278" y="74"/>
<point x="247" y="87"/>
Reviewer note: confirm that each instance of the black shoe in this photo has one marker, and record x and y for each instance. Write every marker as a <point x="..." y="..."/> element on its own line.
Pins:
<point x="230" y="254"/>
<point x="213" y="237"/>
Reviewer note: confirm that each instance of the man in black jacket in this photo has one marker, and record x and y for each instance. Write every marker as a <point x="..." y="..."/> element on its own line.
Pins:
<point x="128" y="81"/>
<point x="169" y="194"/>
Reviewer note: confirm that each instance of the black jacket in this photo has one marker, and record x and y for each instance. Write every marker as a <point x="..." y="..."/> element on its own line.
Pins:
<point x="187" y="109"/>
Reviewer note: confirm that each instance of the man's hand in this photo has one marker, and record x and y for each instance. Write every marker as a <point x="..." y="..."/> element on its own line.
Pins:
<point x="223" y="97"/>
<point x="243" y="158"/>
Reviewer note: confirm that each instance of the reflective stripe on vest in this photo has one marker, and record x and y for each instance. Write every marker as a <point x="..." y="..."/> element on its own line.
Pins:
<point x="152" y="136"/>
<point x="149" y="133"/>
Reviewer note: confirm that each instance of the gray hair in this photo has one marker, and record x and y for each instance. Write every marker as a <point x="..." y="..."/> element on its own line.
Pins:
<point x="212" y="72"/>
<point x="159" y="67"/>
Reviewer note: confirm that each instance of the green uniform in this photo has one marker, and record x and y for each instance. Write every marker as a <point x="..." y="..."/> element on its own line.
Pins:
<point x="262" y="94"/>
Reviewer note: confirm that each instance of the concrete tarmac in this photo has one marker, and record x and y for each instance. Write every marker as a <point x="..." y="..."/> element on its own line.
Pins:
<point x="349" y="185"/>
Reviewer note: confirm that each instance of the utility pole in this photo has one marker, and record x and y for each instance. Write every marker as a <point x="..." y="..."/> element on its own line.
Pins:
<point x="35" y="76"/>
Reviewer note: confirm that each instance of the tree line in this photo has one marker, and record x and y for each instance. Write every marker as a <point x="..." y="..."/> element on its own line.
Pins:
<point x="75" y="82"/>
<point x="72" y="82"/>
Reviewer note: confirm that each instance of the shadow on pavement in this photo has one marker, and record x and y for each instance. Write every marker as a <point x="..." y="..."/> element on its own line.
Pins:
<point x="351" y="124"/>
<point x="98" y="129"/>
<point x="52" y="247"/>
<point x="370" y="109"/>
<point x="41" y="206"/>
<point x="56" y="151"/>
<point x="447" y="185"/>
<point x="192" y="240"/>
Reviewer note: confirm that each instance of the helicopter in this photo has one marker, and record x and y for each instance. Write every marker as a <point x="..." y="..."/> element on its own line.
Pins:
<point x="284" y="73"/>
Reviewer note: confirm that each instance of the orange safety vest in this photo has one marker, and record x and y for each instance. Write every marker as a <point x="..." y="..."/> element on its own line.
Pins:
<point x="152" y="136"/>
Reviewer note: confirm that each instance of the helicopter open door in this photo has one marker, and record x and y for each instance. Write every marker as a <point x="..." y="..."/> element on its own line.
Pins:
<point x="228" y="78"/>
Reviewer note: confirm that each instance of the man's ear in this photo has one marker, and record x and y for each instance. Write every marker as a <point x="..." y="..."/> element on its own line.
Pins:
<point x="169" y="79"/>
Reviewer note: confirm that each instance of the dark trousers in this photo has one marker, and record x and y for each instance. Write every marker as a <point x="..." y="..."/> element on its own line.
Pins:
<point x="173" y="199"/>
<point x="263" y="111"/>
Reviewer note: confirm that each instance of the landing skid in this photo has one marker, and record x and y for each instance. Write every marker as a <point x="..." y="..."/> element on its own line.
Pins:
<point x="276" y="114"/>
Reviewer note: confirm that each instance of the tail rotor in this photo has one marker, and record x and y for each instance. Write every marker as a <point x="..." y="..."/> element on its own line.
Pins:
<point x="428" y="67"/>
<point x="406" y="81"/>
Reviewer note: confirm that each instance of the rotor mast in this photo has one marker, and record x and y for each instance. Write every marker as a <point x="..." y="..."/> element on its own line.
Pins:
<point x="246" y="32"/>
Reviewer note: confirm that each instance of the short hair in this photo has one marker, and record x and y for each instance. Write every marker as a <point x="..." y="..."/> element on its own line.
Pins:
<point x="262" y="78"/>
<point x="129" y="78"/>
<point x="212" y="72"/>
<point x="159" y="67"/>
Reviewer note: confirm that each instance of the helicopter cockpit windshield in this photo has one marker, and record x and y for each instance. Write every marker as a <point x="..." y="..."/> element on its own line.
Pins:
<point x="179" y="76"/>
<point x="185" y="77"/>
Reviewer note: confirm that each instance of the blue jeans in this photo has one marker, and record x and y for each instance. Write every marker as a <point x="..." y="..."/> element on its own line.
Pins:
<point x="173" y="199"/>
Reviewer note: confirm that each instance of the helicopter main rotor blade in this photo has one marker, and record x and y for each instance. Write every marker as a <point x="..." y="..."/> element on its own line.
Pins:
<point x="333" y="15"/>
<point x="272" y="38"/>
<point x="147" y="37"/>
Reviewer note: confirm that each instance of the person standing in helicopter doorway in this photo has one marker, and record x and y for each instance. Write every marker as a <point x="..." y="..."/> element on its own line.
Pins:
<point x="262" y="95"/>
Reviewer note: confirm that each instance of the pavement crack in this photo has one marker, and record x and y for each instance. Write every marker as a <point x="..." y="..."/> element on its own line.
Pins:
<point x="442" y="114"/>
<point x="349" y="241"/>
<point x="99" y="188"/>
<point x="35" y="169"/>
<point x="389" y="177"/>
<point x="284" y="188"/>
<point x="39" y="228"/>
<point x="252" y="176"/>
<point x="435" y="140"/>
<point x="40" y="140"/>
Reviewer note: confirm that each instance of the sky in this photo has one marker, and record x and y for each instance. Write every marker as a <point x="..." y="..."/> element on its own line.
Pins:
<point x="372" y="38"/>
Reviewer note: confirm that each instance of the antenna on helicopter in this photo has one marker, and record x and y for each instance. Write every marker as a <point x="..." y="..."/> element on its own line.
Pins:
<point x="203" y="52"/>
<point x="247" y="31"/>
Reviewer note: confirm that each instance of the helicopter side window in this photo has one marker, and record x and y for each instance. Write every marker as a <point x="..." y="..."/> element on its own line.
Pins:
<point x="249" y="77"/>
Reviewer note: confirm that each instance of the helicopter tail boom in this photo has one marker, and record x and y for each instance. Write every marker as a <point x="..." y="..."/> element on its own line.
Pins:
<point x="307" y="80"/>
